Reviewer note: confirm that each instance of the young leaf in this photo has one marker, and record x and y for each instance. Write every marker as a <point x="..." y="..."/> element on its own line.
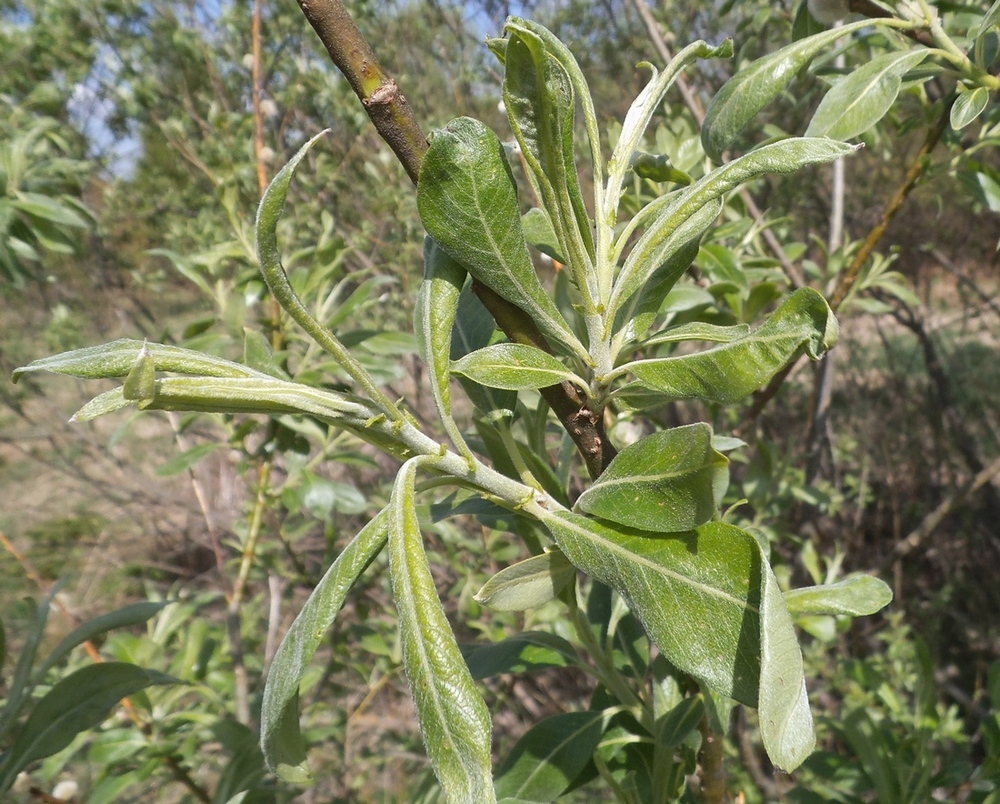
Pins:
<point x="280" y="738"/>
<point x="546" y="760"/>
<point x="540" y="103"/>
<point x="473" y="329"/>
<point x="664" y="483"/>
<point x="76" y="703"/>
<point x="759" y="83"/>
<point x="539" y="233"/>
<point x="468" y="203"/>
<point x="515" y="367"/>
<point x="728" y="373"/>
<point x="117" y="358"/>
<point x="968" y="106"/>
<point x="140" y="383"/>
<point x="860" y="99"/>
<point x="437" y="306"/>
<point x="451" y="713"/>
<point x="679" y="218"/>
<point x="856" y="596"/>
<point x="527" y="584"/>
<point x="786" y="725"/>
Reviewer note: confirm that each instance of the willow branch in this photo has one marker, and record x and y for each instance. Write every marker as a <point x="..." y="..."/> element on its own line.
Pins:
<point x="395" y="122"/>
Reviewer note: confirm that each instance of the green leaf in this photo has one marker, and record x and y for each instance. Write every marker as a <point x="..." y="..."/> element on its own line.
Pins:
<point x="728" y="373"/>
<point x="540" y="103"/>
<point x="663" y="483"/>
<point x="643" y="283"/>
<point x="523" y="653"/>
<point x="185" y="460"/>
<point x="516" y="367"/>
<point x="546" y="760"/>
<point x="49" y="209"/>
<point x="856" y="596"/>
<point x="467" y="200"/>
<point x="80" y="701"/>
<point x="657" y="167"/>
<point x="280" y="738"/>
<point x="696" y="593"/>
<point x="786" y="725"/>
<point x="679" y="722"/>
<point x="698" y="331"/>
<point x="759" y="83"/>
<point x="860" y="99"/>
<point x="474" y="329"/>
<point x="133" y="614"/>
<point x="539" y="233"/>
<point x="117" y="358"/>
<point x="678" y="218"/>
<point x="968" y="106"/>
<point x="140" y="383"/>
<point x="19" y="687"/>
<point x="991" y="18"/>
<point x="711" y="604"/>
<point x="527" y="584"/>
<point x="258" y="354"/>
<point x="451" y="713"/>
<point x="437" y="306"/>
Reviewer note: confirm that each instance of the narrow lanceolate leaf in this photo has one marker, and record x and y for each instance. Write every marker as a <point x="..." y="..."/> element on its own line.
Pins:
<point x="680" y="218"/>
<point x="437" y="306"/>
<point x="663" y="483"/>
<point x="280" y="738"/>
<point x="527" y="584"/>
<point x="452" y="715"/>
<point x="474" y="329"/>
<point x="641" y="112"/>
<point x="562" y="54"/>
<point x="855" y="596"/>
<point x="80" y="701"/>
<point x="786" y="725"/>
<point x="697" y="593"/>
<point x="117" y="359"/>
<point x="728" y="373"/>
<point x="540" y="103"/>
<point x="516" y="367"/>
<point x="468" y="203"/>
<point x="660" y="263"/>
<point x="759" y="83"/>
<point x="546" y="760"/>
<point x="860" y="99"/>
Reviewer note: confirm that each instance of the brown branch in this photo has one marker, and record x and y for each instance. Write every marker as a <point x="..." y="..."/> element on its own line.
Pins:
<point x="394" y="120"/>
<point x="378" y="91"/>
<point x="929" y="523"/>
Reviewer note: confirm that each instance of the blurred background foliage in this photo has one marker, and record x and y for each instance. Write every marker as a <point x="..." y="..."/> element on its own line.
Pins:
<point x="129" y="178"/>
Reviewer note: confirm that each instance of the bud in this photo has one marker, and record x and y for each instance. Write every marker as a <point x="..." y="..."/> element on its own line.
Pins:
<point x="829" y="11"/>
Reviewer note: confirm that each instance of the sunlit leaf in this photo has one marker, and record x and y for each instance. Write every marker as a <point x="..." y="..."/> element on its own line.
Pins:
<point x="862" y="97"/>
<point x="515" y="367"/>
<point x="759" y="83"/>
<point x="728" y="373"/>
<point x="663" y="483"/>
<point x="280" y="738"/>
<point x="968" y="106"/>
<point x="468" y="203"/>
<point x="437" y="306"/>
<point x="856" y="596"/>
<point x="527" y="584"/>
<point x="541" y="107"/>
<point x="451" y="713"/>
